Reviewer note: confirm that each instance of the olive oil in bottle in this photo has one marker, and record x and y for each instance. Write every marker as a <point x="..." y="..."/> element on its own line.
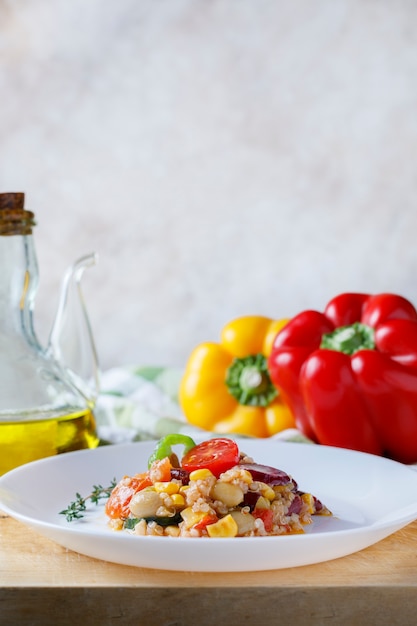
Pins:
<point x="25" y="441"/>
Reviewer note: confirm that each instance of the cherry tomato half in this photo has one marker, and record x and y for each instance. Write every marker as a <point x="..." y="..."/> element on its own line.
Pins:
<point x="117" y="506"/>
<point x="217" y="455"/>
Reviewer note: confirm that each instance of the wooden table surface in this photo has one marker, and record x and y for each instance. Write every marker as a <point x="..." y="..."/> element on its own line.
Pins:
<point x="43" y="583"/>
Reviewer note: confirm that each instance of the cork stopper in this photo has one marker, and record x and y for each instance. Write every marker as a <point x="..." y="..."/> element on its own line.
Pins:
<point x="14" y="219"/>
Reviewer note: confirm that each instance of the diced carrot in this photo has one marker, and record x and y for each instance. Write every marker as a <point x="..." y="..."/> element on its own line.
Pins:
<point x="117" y="506"/>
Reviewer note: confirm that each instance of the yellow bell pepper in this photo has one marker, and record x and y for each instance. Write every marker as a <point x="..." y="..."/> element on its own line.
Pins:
<point x="226" y="386"/>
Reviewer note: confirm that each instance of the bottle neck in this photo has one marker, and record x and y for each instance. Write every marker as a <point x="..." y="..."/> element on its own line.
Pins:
<point x="18" y="284"/>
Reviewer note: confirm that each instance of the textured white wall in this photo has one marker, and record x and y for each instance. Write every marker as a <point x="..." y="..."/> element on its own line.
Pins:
<point x="223" y="157"/>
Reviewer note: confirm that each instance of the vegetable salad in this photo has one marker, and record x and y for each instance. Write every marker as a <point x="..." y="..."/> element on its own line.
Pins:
<point x="213" y="490"/>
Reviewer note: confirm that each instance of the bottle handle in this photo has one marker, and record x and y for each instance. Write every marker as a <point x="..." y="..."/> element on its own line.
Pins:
<point x="71" y="340"/>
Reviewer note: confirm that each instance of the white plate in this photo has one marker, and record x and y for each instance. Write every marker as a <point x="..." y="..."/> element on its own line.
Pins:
<point x="370" y="497"/>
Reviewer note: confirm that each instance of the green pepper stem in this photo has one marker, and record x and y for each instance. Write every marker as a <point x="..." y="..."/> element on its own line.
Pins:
<point x="247" y="380"/>
<point x="250" y="378"/>
<point x="349" y="339"/>
<point x="163" y="447"/>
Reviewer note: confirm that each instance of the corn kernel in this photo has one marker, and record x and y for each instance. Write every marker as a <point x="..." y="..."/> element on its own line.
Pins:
<point x="178" y="500"/>
<point x="308" y="499"/>
<point x="280" y="488"/>
<point x="166" y="487"/>
<point x="172" y="531"/>
<point x="246" y="477"/>
<point x="200" y="474"/>
<point x="183" y="488"/>
<point x="116" y="524"/>
<point x="267" y="491"/>
<point x="190" y="517"/>
<point x="225" y="527"/>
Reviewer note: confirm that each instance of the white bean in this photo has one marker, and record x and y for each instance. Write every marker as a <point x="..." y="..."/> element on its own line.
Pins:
<point x="145" y="503"/>
<point x="228" y="493"/>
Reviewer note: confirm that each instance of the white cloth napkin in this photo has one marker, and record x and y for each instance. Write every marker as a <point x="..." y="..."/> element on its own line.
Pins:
<point x="140" y="403"/>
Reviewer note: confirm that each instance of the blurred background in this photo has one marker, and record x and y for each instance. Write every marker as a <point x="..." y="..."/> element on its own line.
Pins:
<point x="223" y="158"/>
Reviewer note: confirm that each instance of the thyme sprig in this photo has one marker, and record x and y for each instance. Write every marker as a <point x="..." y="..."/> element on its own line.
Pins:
<point x="75" y="509"/>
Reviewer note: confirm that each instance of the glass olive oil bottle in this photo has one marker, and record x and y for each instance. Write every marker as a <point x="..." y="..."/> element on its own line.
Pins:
<point x="47" y="395"/>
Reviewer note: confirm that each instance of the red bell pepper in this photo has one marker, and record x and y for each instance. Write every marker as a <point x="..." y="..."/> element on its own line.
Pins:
<point x="349" y="374"/>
